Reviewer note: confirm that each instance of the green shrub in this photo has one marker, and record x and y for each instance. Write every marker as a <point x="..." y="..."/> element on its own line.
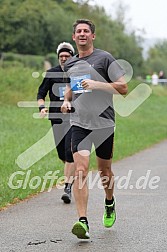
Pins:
<point x="52" y="58"/>
<point x="32" y="61"/>
<point x="14" y="63"/>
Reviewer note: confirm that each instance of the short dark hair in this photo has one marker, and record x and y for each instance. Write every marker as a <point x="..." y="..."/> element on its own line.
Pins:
<point x="84" y="21"/>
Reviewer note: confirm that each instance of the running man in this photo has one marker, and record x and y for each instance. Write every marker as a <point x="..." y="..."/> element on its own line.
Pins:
<point x="94" y="77"/>
<point x="54" y="84"/>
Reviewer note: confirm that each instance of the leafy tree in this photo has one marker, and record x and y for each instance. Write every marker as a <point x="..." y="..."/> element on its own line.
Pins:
<point x="36" y="27"/>
<point x="30" y="27"/>
<point x="156" y="60"/>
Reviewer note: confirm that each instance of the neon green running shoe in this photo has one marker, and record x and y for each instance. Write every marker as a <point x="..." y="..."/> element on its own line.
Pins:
<point x="81" y="230"/>
<point x="109" y="215"/>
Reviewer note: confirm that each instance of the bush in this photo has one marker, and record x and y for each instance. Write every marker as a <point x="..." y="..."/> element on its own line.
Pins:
<point x="13" y="63"/>
<point x="32" y="61"/>
<point x="52" y="58"/>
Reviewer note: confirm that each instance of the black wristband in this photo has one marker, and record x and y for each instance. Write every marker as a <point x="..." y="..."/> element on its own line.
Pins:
<point x="41" y="107"/>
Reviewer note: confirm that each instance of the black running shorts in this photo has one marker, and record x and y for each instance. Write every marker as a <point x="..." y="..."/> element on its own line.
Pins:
<point x="62" y="137"/>
<point x="103" y="139"/>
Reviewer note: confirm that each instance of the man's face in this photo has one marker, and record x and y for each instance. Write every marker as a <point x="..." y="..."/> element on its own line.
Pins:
<point x="63" y="56"/>
<point x="83" y="35"/>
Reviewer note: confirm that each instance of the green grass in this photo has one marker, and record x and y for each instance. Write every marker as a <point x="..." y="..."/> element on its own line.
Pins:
<point x="19" y="130"/>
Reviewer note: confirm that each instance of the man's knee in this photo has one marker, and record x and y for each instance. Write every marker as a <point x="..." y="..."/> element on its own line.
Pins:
<point x="105" y="171"/>
<point x="81" y="172"/>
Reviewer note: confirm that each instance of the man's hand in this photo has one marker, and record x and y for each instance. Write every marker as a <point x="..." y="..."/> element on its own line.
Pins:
<point x="66" y="107"/>
<point x="88" y="84"/>
<point x="117" y="87"/>
<point x="43" y="112"/>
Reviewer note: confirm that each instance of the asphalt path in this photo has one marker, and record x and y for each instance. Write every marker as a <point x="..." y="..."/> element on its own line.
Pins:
<point x="43" y="223"/>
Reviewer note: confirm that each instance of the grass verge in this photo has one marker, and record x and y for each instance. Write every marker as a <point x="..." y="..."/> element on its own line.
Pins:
<point x="19" y="131"/>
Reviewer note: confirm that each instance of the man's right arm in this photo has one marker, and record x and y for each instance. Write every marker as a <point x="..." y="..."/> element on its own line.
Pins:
<point x="42" y="92"/>
<point x="66" y="106"/>
<point x="42" y="109"/>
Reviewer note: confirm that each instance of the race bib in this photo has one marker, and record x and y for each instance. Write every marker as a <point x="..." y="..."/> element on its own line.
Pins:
<point x="76" y="85"/>
<point x="61" y="92"/>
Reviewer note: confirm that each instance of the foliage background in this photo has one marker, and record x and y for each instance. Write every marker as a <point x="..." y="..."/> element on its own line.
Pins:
<point x="37" y="27"/>
<point x="29" y="33"/>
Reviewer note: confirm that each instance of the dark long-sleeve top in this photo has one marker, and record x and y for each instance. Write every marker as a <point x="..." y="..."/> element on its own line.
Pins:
<point x="54" y="83"/>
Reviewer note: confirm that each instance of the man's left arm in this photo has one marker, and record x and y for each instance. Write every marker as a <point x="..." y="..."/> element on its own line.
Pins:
<point x="117" y="87"/>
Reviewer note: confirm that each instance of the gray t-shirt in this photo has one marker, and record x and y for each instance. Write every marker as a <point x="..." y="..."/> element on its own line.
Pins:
<point x="93" y="108"/>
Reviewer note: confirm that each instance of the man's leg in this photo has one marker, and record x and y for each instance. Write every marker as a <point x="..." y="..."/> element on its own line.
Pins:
<point x="107" y="176"/>
<point x="62" y="137"/>
<point x="69" y="171"/>
<point x="80" y="183"/>
<point x="69" y="168"/>
<point x="59" y="138"/>
<point x="80" y="188"/>
<point x="69" y="178"/>
<point x="104" y="153"/>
